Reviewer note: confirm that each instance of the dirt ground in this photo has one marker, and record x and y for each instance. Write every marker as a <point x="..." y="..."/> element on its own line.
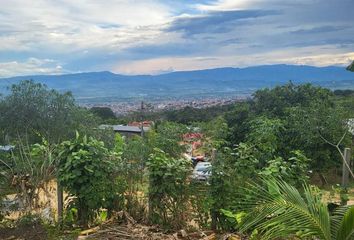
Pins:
<point x="142" y="232"/>
<point x="26" y="232"/>
<point x="111" y="231"/>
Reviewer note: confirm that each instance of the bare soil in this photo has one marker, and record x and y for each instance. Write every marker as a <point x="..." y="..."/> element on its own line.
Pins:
<point x="26" y="232"/>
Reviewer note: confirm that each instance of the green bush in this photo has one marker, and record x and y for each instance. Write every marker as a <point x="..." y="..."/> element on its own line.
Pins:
<point x="168" y="190"/>
<point x="293" y="170"/>
<point x="86" y="171"/>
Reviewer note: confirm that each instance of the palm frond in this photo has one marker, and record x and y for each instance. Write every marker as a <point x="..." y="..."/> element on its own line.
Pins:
<point x="284" y="212"/>
<point x="343" y="223"/>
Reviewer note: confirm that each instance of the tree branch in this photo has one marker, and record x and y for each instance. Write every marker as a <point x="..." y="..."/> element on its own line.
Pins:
<point x="339" y="150"/>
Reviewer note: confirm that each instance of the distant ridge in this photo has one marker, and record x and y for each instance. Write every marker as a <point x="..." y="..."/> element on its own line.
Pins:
<point x="98" y="87"/>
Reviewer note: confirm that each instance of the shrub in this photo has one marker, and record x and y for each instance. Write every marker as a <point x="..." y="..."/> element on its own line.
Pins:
<point x="86" y="172"/>
<point x="293" y="170"/>
<point x="25" y="170"/>
<point x="168" y="190"/>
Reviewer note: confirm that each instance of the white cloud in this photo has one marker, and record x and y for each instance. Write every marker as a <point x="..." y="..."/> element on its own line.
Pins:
<point x="29" y="67"/>
<point x="224" y="5"/>
<point x="74" y="25"/>
<point x="135" y="36"/>
<point x="227" y="5"/>
<point x="289" y="56"/>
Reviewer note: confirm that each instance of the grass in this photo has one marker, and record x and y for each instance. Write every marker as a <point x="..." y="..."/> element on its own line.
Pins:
<point x="55" y="233"/>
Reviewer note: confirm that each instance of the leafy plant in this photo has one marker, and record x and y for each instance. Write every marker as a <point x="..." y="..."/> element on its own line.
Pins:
<point x="231" y="169"/>
<point x="293" y="170"/>
<point x="167" y="136"/>
<point x="278" y="210"/>
<point x="214" y="134"/>
<point x="131" y="176"/>
<point x="27" y="169"/>
<point x="168" y="189"/>
<point x="265" y="134"/>
<point x="86" y="171"/>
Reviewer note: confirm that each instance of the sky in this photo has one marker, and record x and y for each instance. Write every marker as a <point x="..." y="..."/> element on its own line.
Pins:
<point x="158" y="36"/>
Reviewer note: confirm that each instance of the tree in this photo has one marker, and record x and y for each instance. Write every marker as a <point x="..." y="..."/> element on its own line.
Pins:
<point x="231" y="169"/>
<point x="302" y="111"/>
<point x="215" y="133"/>
<point x="265" y="135"/>
<point x="274" y="102"/>
<point x="32" y="111"/>
<point x="307" y="126"/>
<point x="105" y="113"/>
<point x="237" y="120"/>
<point x="134" y="157"/>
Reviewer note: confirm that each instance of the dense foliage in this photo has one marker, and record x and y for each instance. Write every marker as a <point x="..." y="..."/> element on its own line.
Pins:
<point x="31" y="112"/>
<point x="86" y="172"/>
<point x="292" y="117"/>
<point x="105" y="113"/>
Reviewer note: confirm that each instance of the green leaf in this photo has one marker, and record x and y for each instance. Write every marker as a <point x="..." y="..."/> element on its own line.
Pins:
<point x="346" y="227"/>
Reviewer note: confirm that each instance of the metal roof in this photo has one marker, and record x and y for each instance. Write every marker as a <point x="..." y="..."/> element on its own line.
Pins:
<point x="122" y="128"/>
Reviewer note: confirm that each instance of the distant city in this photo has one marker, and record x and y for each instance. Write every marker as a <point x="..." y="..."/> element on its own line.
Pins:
<point x="125" y="108"/>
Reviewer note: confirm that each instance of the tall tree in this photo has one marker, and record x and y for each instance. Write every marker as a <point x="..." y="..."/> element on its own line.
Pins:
<point x="31" y="112"/>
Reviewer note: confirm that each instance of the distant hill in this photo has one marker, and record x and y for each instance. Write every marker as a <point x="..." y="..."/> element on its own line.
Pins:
<point x="96" y="87"/>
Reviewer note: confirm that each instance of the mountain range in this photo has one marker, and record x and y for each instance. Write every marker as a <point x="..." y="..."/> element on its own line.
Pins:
<point x="104" y="87"/>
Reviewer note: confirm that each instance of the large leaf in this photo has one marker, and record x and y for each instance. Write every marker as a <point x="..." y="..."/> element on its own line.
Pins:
<point x="284" y="213"/>
<point x="345" y="225"/>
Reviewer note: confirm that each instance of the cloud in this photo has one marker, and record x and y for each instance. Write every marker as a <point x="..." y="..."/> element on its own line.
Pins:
<point x="215" y="22"/>
<point x="66" y="26"/>
<point x="292" y="56"/>
<point x="227" y="5"/>
<point x="159" y="35"/>
<point x="224" y="5"/>
<point x="31" y="66"/>
<point x="321" y="29"/>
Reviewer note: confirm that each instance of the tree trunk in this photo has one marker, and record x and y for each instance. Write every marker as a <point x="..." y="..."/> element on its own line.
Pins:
<point x="83" y="214"/>
<point x="322" y="178"/>
<point x="60" y="204"/>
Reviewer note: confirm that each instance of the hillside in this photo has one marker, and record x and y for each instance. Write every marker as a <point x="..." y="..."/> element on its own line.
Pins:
<point x="105" y="86"/>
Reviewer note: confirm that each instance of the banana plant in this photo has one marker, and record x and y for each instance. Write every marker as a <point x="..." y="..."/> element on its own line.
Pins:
<point x="277" y="210"/>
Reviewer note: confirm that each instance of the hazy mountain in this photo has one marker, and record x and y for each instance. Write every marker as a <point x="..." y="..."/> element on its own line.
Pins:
<point x="107" y="86"/>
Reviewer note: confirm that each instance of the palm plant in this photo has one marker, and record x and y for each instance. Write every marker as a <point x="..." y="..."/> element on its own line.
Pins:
<point x="351" y="67"/>
<point x="278" y="210"/>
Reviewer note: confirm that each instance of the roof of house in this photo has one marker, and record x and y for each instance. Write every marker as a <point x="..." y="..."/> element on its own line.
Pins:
<point x="138" y="124"/>
<point x="129" y="129"/>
